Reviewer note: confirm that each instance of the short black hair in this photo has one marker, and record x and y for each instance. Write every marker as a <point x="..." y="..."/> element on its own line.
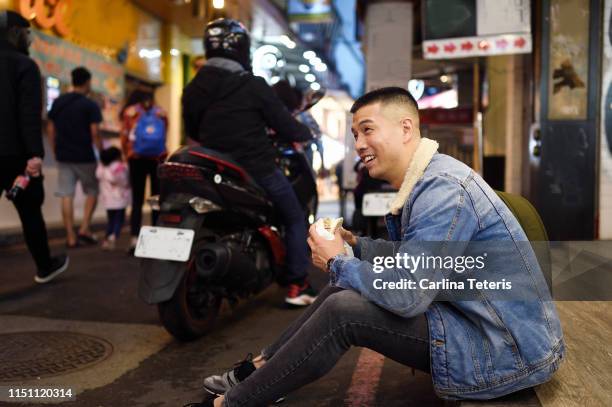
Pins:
<point x="80" y="76"/>
<point x="391" y="94"/>
<point x="107" y="156"/>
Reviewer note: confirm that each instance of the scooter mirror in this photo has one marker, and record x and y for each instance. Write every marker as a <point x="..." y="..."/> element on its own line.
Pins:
<point x="312" y="97"/>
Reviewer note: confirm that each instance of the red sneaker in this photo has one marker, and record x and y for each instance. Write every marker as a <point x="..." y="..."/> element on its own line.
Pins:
<point x="300" y="294"/>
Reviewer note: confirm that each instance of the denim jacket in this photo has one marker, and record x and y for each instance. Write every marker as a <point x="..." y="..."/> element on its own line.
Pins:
<point x="480" y="348"/>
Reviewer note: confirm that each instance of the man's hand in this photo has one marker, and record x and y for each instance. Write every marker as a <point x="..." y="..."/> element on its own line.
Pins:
<point x="323" y="249"/>
<point x="34" y="167"/>
<point x="348" y="237"/>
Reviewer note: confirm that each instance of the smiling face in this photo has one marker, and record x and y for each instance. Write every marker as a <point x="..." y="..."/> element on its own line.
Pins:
<point x="385" y="140"/>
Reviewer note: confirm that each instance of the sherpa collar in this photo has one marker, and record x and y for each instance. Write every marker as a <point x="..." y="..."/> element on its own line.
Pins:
<point x="420" y="160"/>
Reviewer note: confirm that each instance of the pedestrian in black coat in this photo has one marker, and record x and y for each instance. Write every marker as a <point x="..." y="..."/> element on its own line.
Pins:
<point x="21" y="146"/>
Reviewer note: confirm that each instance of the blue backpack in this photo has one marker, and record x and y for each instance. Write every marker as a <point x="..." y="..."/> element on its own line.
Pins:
<point x="150" y="133"/>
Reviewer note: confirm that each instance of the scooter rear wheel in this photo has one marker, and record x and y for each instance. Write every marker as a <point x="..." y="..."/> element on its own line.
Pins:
<point x="180" y="316"/>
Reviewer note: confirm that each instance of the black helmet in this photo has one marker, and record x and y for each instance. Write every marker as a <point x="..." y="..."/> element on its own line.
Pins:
<point x="230" y="39"/>
<point x="10" y="19"/>
<point x="13" y="29"/>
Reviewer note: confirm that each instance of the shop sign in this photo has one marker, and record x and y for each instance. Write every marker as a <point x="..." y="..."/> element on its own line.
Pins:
<point x="477" y="46"/>
<point x="458" y="116"/>
<point x="461" y="28"/>
<point x="47" y="14"/>
<point x="57" y="58"/>
<point x="309" y="11"/>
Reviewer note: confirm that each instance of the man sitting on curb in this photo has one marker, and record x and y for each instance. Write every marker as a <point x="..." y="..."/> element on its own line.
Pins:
<point x="476" y="347"/>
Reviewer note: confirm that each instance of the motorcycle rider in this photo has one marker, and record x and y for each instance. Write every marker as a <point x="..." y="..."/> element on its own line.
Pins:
<point x="228" y="109"/>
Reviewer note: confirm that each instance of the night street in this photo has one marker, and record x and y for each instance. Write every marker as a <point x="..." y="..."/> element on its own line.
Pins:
<point x="141" y="365"/>
<point x="415" y="194"/>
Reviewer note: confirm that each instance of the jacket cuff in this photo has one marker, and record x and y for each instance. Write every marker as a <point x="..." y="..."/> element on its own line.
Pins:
<point x="337" y="268"/>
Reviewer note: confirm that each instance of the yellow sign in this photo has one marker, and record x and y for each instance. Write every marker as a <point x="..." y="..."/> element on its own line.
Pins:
<point x="47" y="13"/>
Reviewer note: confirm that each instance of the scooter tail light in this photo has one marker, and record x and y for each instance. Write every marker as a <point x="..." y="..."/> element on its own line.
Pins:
<point x="201" y="205"/>
<point x="153" y="202"/>
<point x="171" y="218"/>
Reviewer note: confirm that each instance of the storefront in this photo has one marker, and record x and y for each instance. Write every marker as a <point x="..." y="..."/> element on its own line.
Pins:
<point x="123" y="46"/>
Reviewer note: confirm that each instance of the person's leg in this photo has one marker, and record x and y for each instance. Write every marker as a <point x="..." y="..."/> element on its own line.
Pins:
<point x="90" y="206"/>
<point x="309" y="153"/>
<point x="68" y="217"/>
<point x="119" y="221"/>
<point x="110" y="238"/>
<point x="154" y="179"/>
<point x="220" y="384"/>
<point x="281" y="193"/>
<point x="67" y="179"/>
<point x="344" y="319"/>
<point x="87" y="176"/>
<point x="138" y="178"/>
<point x="28" y="204"/>
<point x="269" y="351"/>
<point x="110" y="219"/>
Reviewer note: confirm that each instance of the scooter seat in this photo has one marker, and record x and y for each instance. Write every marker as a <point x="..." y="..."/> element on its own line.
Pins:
<point x="223" y="163"/>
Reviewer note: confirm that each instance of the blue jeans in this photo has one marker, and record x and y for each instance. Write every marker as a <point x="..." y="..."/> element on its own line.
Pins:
<point x="281" y="193"/>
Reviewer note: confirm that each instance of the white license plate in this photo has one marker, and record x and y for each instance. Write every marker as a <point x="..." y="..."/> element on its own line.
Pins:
<point x="155" y="242"/>
<point x="377" y="203"/>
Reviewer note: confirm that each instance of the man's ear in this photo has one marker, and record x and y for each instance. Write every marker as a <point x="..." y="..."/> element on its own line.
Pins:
<point x="407" y="129"/>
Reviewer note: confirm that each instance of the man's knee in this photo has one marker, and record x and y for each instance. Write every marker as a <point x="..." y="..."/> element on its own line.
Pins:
<point x="345" y="304"/>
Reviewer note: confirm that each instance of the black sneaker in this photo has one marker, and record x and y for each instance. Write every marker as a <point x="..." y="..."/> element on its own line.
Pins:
<point x="218" y="385"/>
<point x="87" y="240"/>
<point x="207" y="402"/>
<point x="300" y="295"/>
<point x="59" y="264"/>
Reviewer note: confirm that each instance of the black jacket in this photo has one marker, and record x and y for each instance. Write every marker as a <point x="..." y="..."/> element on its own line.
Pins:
<point x="229" y="112"/>
<point x="20" y="105"/>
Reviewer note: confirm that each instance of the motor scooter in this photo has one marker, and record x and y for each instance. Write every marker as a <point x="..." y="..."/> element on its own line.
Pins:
<point x="218" y="237"/>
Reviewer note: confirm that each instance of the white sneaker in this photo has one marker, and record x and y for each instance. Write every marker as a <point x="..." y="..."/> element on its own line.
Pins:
<point x="109" y="243"/>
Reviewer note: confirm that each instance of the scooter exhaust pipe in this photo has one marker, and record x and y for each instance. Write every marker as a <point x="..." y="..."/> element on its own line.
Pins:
<point x="212" y="261"/>
<point x="226" y="264"/>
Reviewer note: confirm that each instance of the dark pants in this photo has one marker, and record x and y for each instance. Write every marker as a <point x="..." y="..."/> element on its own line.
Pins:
<point x="140" y="168"/>
<point x="116" y="218"/>
<point x="28" y="204"/>
<point x="281" y="193"/>
<point x="313" y="343"/>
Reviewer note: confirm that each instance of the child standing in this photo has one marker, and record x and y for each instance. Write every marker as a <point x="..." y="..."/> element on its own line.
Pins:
<point x="115" y="192"/>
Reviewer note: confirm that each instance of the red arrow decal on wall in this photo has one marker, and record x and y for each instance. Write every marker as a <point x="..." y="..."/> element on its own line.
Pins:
<point x="433" y="49"/>
<point x="467" y="46"/>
